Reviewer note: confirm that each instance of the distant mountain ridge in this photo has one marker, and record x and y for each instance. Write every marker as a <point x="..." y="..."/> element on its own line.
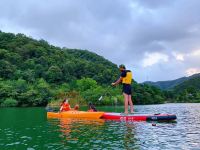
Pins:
<point x="168" y="85"/>
<point x="191" y="85"/>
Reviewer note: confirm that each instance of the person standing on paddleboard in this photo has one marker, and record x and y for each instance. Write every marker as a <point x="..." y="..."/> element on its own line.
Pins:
<point x="125" y="79"/>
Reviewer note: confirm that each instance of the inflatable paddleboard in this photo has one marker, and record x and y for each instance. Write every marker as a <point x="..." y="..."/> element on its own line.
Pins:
<point x="139" y="117"/>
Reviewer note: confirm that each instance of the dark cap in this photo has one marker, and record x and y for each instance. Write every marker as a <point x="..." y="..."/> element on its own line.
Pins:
<point x="122" y="66"/>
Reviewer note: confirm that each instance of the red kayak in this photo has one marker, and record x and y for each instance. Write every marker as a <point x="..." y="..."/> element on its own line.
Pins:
<point x="139" y="117"/>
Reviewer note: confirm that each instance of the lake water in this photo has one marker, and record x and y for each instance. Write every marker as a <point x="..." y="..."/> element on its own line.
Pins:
<point x="29" y="129"/>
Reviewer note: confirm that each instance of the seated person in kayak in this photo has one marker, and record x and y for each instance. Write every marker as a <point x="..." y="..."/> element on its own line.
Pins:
<point x="65" y="106"/>
<point x="76" y="107"/>
<point x="92" y="108"/>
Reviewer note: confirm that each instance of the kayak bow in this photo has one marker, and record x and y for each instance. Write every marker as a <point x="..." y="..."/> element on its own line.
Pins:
<point x="75" y="114"/>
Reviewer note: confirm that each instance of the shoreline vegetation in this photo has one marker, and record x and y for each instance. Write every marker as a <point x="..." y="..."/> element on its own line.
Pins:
<point x="35" y="73"/>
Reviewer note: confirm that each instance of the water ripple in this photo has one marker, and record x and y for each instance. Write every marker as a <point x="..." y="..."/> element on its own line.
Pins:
<point x="40" y="133"/>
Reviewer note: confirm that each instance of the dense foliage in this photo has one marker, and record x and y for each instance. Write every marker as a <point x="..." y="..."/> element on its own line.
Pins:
<point x="33" y="73"/>
<point x="185" y="89"/>
<point x="188" y="91"/>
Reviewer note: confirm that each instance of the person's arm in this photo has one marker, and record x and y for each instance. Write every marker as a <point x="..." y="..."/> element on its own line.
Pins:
<point x="117" y="82"/>
<point x="61" y="108"/>
<point x="123" y="74"/>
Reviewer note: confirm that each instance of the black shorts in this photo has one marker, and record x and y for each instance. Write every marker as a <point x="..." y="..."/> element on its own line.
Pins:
<point x="127" y="89"/>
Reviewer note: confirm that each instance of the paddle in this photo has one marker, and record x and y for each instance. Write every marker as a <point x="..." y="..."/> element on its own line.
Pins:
<point x="100" y="98"/>
<point x="106" y="93"/>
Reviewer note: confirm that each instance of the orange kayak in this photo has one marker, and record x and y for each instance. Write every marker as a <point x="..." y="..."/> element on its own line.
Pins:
<point x="75" y="114"/>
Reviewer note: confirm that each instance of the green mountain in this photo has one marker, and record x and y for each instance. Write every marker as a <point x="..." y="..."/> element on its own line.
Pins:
<point x="166" y="85"/>
<point x="191" y="84"/>
<point x="29" y="59"/>
<point x="188" y="91"/>
<point x="173" y="84"/>
<point x="35" y="73"/>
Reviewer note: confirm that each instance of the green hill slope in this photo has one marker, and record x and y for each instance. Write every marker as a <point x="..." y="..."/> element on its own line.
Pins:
<point x="34" y="73"/>
<point x="170" y="85"/>
<point x="22" y="56"/>
<point x="189" y="90"/>
<point x="185" y="89"/>
<point x="166" y="85"/>
<point x="192" y="84"/>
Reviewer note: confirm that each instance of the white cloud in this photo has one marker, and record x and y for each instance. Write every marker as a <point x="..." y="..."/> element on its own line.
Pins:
<point x="154" y="58"/>
<point x="192" y="71"/>
<point x="138" y="33"/>
<point x="178" y="56"/>
<point x="195" y="53"/>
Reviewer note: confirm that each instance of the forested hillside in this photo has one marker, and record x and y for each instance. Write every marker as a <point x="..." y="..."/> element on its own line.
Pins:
<point x="33" y="73"/>
<point x="186" y="89"/>
<point x="166" y="85"/>
<point x="25" y="58"/>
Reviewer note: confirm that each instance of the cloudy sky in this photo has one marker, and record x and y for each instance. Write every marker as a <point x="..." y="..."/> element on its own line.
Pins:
<point x="156" y="39"/>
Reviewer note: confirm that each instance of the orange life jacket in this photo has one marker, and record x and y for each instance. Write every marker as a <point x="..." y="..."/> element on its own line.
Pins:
<point x="65" y="107"/>
<point x="90" y="110"/>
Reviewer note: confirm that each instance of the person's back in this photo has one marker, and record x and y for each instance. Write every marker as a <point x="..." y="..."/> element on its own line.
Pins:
<point x="92" y="108"/>
<point x="76" y="107"/>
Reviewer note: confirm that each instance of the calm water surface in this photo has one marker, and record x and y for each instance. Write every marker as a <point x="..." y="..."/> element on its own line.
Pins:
<point x="29" y="129"/>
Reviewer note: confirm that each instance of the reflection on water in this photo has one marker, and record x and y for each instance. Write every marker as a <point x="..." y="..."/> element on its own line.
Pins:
<point x="70" y="128"/>
<point x="93" y="134"/>
<point x="29" y="129"/>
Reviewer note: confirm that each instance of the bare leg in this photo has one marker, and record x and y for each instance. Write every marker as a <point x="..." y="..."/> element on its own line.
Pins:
<point x="125" y="103"/>
<point x="130" y="103"/>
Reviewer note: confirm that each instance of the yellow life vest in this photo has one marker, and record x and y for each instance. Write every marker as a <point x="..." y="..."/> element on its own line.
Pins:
<point x="128" y="78"/>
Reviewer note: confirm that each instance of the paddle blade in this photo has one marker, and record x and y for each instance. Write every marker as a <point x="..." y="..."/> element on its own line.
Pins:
<point x="100" y="98"/>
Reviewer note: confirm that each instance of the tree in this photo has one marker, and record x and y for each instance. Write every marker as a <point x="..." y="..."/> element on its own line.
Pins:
<point x="6" y="69"/>
<point x="54" y="74"/>
<point x="9" y="102"/>
<point x="44" y="93"/>
<point x="86" y="84"/>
